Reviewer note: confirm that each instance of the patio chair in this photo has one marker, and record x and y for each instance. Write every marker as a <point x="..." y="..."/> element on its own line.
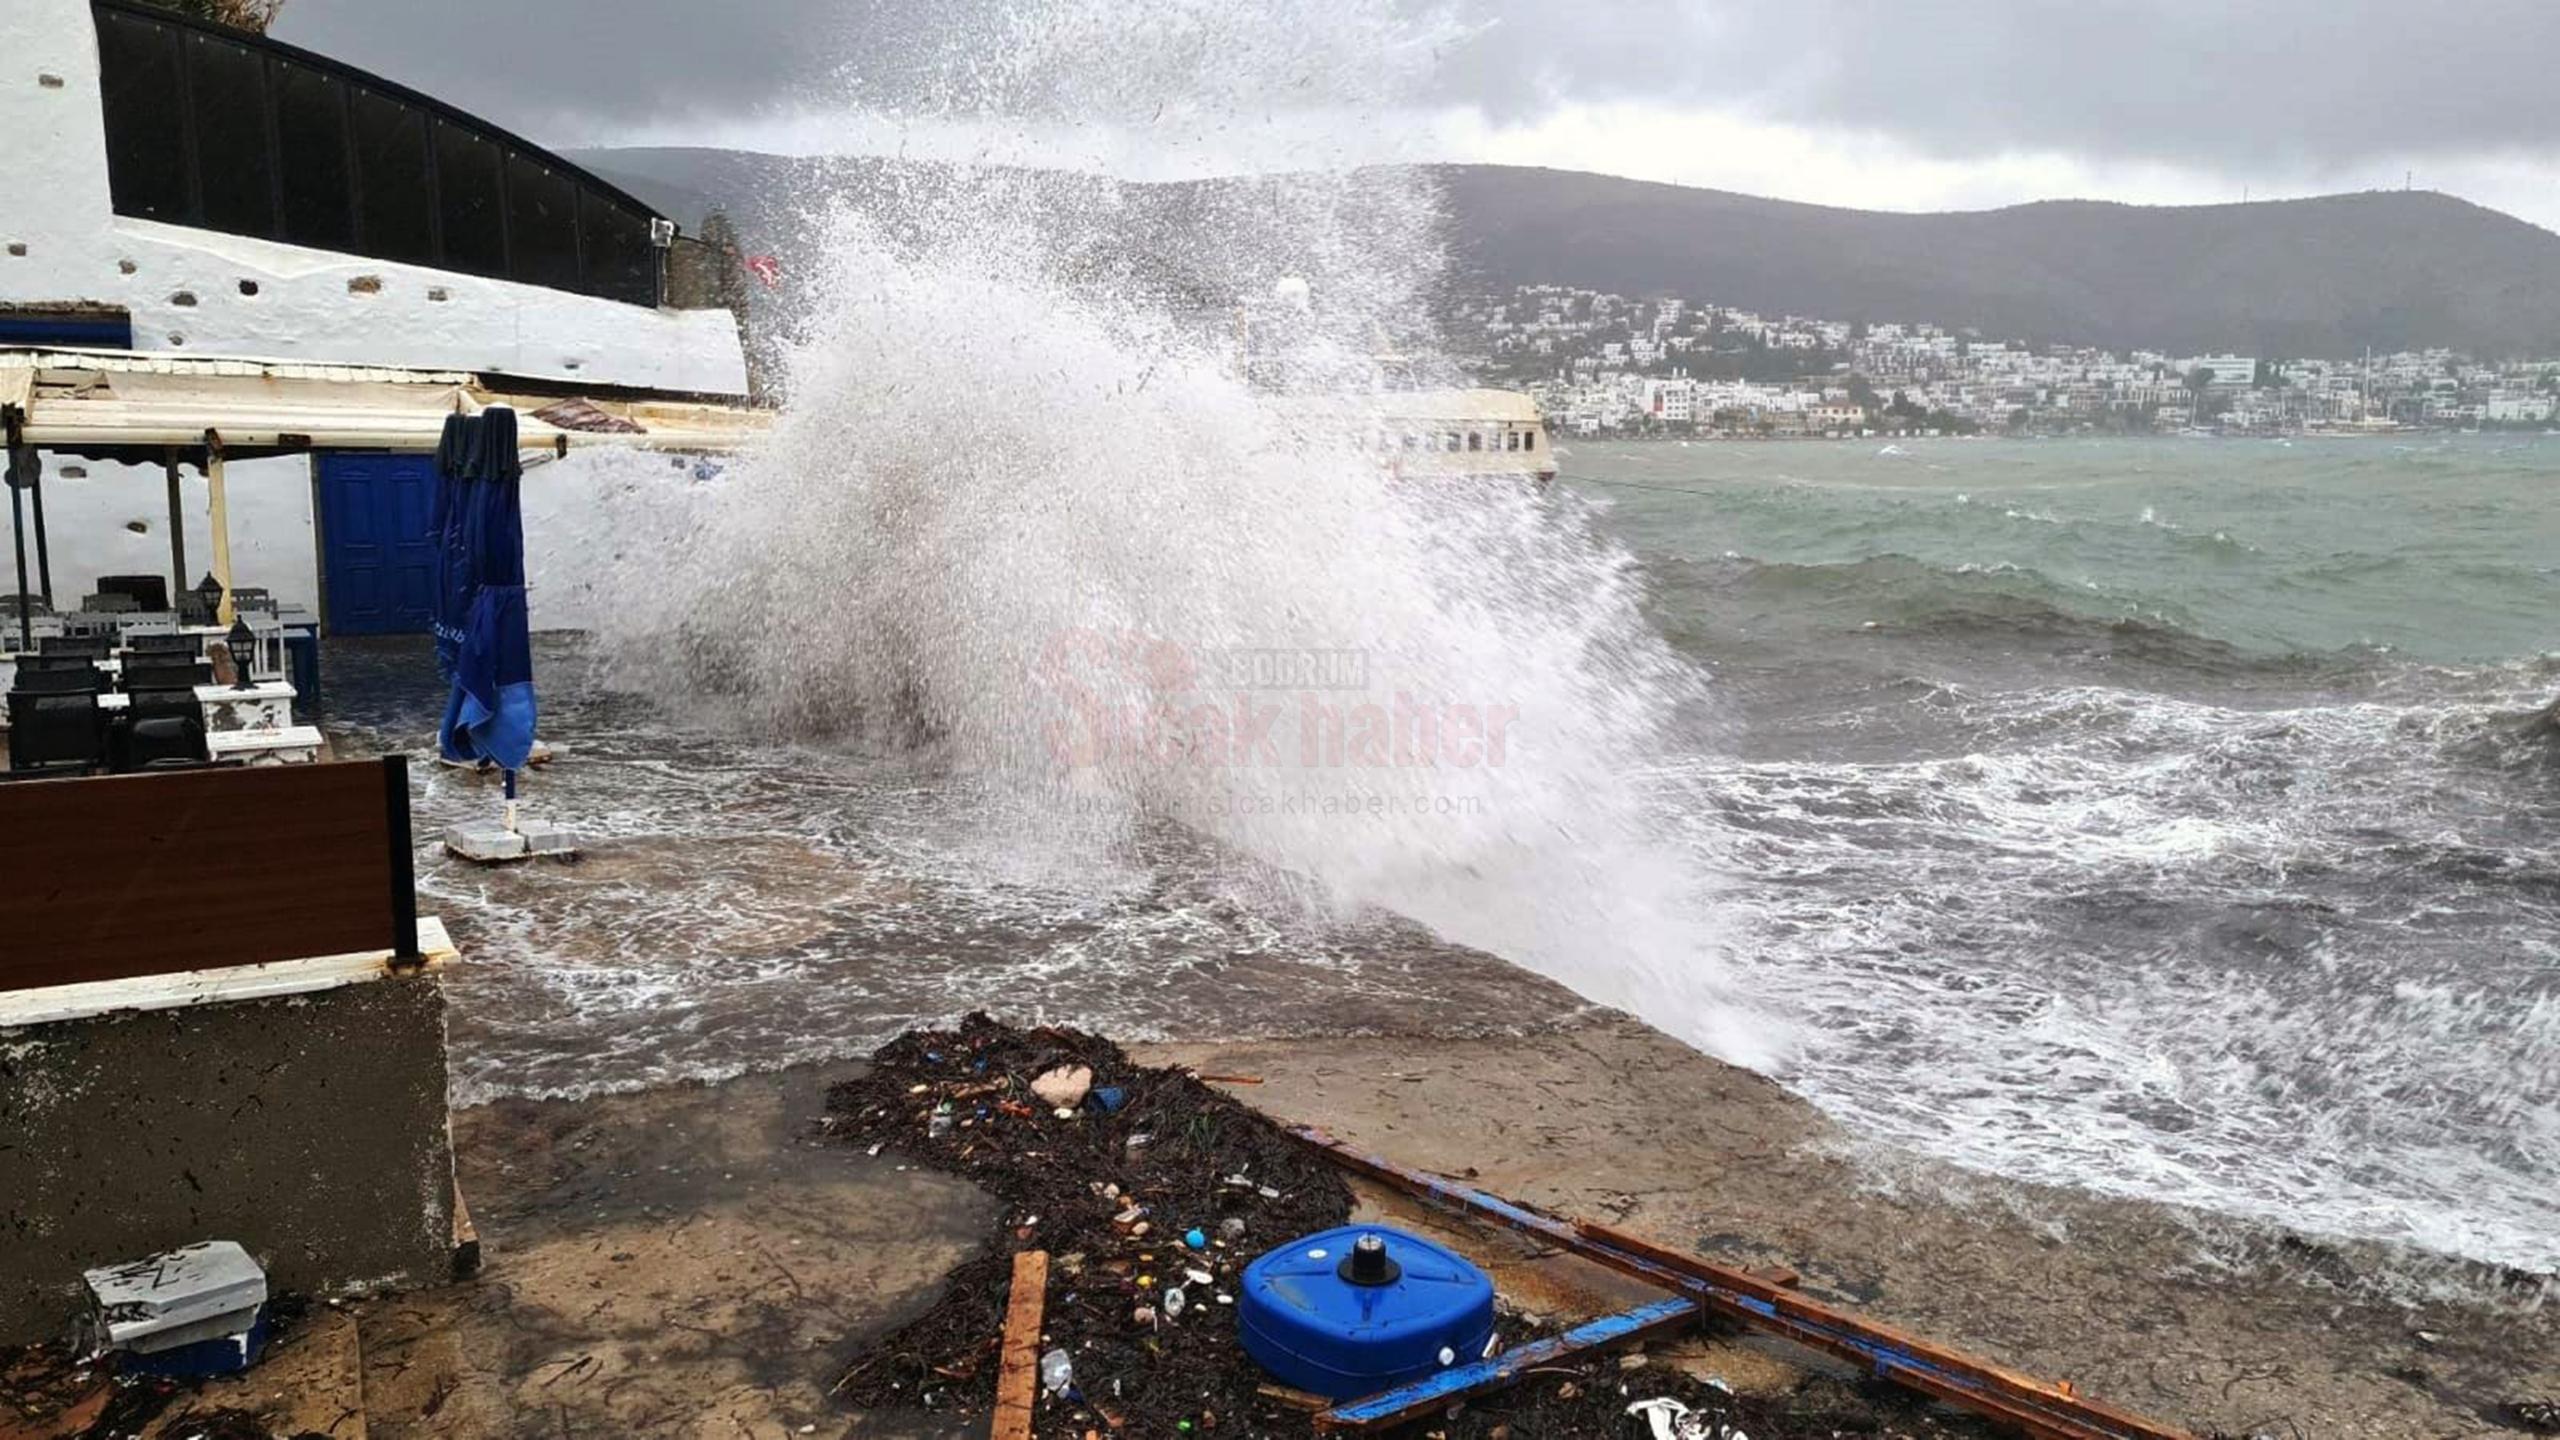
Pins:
<point x="162" y="728"/>
<point x="166" y="672"/>
<point x="64" y="734"/>
<point x="169" y="644"/>
<point x="108" y="602"/>
<point x="92" y="646"/>
<point x="80" y="679"/>
<point x="148" y="592"/>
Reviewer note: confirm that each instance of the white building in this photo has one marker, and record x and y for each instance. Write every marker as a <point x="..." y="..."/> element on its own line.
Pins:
<point x="182" y="188"/>
<point x="2233" y="371"/>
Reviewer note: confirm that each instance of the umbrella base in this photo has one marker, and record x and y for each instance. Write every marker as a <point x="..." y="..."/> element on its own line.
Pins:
<point x="497" y="845"/>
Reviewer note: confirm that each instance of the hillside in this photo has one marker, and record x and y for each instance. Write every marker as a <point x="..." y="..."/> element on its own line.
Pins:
<point x="2325" y="276"/>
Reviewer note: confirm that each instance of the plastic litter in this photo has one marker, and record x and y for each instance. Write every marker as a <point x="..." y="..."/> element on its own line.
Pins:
<point x="1057" y="1372"/>
<point x="1065" y="1087"/>
<point x="1195" y="1239"/>
<point x="1671" y="1420"/>
<point x="1108" y="1098"/>
<point x="1174" y="1301"/>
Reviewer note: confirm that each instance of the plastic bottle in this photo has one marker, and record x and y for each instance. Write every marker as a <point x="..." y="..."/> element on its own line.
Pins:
<point x="1057" y="1372"/>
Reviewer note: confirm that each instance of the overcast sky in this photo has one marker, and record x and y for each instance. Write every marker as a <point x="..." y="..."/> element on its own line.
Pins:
<point x="1896" y="104"/>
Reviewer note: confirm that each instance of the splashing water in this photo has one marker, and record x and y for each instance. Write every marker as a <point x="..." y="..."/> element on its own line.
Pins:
<point x="1022" y="518"/>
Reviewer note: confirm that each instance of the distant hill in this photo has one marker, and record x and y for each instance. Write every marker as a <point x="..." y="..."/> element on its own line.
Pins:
<point x="2326" y="276"/>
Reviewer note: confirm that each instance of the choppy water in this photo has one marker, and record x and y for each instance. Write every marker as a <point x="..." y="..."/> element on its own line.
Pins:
<point x="2171" y="819"/>
<point x="2168" y="818"/>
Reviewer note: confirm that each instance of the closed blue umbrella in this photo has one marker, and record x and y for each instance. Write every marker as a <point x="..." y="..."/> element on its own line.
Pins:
<point x="491" y="714"/>
<point x="452" y="550"/>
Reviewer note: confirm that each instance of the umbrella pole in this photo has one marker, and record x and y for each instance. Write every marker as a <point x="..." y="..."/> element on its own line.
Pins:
<point x="511" y="802"/>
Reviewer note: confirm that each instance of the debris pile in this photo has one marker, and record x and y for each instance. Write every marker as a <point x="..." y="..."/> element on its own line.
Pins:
<point x="1150" y="1192"/>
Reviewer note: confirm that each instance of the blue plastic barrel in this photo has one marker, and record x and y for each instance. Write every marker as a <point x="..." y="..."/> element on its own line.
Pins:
<point x="1341" y="1317"/>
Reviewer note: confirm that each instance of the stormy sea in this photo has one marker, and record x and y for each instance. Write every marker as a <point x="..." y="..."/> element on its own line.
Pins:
<point x="2174" y="819"/>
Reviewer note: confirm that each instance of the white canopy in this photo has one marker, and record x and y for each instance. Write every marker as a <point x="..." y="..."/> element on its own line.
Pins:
<point x="106" y="400"/>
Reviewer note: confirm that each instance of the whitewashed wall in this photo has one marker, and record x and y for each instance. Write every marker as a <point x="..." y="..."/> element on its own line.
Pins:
<point x="55" y="205"/>
<point x="577" y="513"/>
<point x="89" y="520"/>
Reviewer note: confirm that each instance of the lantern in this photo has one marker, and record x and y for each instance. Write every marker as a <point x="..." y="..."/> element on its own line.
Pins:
<point x="243" y="644"/>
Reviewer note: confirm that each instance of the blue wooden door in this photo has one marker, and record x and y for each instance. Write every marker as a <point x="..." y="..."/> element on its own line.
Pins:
<point x="378" y="553"/>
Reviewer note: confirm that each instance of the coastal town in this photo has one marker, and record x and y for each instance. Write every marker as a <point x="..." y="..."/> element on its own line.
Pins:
<point x="1612" y="365"/>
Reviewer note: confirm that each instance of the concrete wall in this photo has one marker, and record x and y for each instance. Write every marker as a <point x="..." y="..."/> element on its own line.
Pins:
<point x="311" y="1129"/>
<point x="77" y="249"/>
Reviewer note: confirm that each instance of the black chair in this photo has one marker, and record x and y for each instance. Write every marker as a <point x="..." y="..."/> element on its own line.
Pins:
<point x="162" y="728"/>
<point x="27" y="663"/>
<point x="56" y="733"/>
<point x="92" y="646"/>
<point x="35" y="605"/>
<point x="170" y="644"/>
<point x="165" y="672"/>
<point x="108" y="603"/>
<point x="81" y="679"/>
<point x="148" y="592"/>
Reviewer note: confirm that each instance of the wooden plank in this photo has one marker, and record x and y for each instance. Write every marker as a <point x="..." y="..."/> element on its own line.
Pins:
<point x="178" y="991"/>
<point x="1018" y="1382"/>
<point x="1428" y="1396"/>
<point x="2047" y="1412"/>
<point x="129" y="875"/>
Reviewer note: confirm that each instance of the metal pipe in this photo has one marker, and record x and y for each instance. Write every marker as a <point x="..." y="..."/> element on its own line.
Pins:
<point x="177" y="528"/>
<point x="71" y="434"/>
<point x="44" y="550"/>
<point x="2046" y="1412"/>
<point x="1427" y="1396"/>
<point x="18" y="537"/>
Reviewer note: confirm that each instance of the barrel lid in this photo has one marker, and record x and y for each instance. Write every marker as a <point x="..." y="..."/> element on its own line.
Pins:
<point x="1302" y="1296"/>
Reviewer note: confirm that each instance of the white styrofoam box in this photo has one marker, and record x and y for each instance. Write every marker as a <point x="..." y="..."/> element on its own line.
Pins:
<point x="163" y="1301"/>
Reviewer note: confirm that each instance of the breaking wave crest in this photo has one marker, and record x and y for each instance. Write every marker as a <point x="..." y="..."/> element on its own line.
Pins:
<point x="1023" y="519"/>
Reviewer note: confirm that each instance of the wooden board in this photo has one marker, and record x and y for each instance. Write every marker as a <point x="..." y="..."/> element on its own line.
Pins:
<point x="154" y="874"/>
<point x="1018" y="1381"/>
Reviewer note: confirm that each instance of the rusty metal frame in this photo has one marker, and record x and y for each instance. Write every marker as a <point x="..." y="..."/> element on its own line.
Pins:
<point x="1394" y="1407"/>
<point x="2045" y="1411"/>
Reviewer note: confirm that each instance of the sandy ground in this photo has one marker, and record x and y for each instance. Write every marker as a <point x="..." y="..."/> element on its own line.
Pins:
<point x="695" y="1262"/>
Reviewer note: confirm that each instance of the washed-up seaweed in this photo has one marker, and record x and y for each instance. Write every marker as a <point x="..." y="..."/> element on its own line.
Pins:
<point x="1150" y="1181"/>
<point x="1145" y="1158"/>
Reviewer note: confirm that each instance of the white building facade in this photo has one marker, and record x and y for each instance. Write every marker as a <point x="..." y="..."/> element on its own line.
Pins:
<point x="183" y="188"/>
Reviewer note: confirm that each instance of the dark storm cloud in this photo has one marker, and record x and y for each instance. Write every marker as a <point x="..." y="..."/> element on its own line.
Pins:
<point x="2290" y="82"/>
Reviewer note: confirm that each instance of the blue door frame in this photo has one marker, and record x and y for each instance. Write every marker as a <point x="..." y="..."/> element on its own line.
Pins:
<point x="377" y="552"/>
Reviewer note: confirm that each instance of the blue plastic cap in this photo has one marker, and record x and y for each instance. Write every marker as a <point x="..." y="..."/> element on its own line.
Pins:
<point x="1301" y="1319"/>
